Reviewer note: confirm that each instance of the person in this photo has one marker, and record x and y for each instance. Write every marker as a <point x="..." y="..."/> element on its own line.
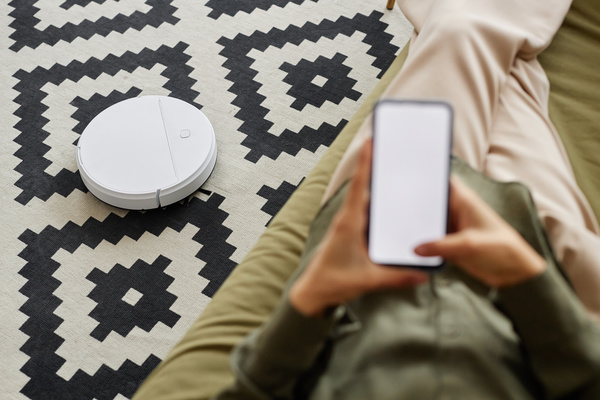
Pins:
<point x="480" y="56"/>
<point x="501" y="320"/>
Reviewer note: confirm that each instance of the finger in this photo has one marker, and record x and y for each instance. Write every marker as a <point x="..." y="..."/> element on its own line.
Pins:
<point x="449" y="247"/>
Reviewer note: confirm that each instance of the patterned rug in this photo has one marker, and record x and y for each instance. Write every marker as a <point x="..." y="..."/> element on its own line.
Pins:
<point x="93" y="297"/>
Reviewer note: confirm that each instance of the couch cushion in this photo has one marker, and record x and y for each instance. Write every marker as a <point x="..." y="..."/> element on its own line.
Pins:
<point x="572" y="63"/>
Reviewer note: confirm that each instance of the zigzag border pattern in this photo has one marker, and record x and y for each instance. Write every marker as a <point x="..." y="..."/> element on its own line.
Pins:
<point x="276" y="198"/>
<point x="70" y="3"/>
<point x="232" y="7"/>
<point x="26" y="35"/>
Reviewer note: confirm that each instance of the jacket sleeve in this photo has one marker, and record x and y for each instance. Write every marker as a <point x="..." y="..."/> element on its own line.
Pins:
<point x="561" y="340"/>
<point x="268" y="363"/>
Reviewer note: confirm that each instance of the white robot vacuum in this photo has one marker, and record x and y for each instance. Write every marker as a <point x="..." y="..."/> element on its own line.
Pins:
<point x="146" y="152"/>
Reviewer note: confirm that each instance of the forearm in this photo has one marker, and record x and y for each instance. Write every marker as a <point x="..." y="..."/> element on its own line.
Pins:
<point x="270" y="361"/>
<point x="561" y="340"/>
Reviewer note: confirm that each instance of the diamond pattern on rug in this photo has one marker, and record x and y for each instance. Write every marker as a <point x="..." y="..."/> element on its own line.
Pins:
<point x="319" y="81"/>
<point x="255" y="126"/>
<point x="93" y="296"/>
<point x="35" y="181"/>
<point x="112" y="286"/>
<point x="148" y="305"/>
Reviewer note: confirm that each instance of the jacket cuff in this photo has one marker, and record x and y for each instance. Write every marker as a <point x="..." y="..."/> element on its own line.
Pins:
<point x="544" y="309"/>
<point x="289" y="343"/>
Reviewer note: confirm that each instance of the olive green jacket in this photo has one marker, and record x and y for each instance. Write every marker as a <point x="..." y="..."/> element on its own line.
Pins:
<point x="453" y="338"/>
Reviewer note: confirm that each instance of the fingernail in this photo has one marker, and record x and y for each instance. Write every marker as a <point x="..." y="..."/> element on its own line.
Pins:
<point x="421" y="250"/>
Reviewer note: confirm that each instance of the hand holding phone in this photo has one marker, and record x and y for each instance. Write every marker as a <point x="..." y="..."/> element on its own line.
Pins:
<point x="484" y="245"/>
<point x="340" y="269"/>
<point x="410" y="174"/>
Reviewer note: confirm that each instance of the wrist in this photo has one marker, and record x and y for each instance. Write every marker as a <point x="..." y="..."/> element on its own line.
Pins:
<point x="530" y="264"/>
<point x="305" y="300"/>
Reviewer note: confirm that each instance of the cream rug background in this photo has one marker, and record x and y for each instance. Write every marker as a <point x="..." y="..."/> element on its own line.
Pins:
<point x="92" y="297"/>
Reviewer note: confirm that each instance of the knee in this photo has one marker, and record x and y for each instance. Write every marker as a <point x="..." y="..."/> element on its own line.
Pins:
<point x="462" y="33"/>
<point x="457" y="27"/>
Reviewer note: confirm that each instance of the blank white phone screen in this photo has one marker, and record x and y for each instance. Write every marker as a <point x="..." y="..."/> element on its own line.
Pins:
<point x="410" y="180"/>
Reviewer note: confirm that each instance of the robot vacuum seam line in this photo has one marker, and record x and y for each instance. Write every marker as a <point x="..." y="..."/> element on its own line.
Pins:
<point x="162" y="117"/>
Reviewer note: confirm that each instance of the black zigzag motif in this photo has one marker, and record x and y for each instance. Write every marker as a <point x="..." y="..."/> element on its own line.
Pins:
<point x="252" y="113"/>
<point x="232" y="7"/>
<point x="337" y="86"/>
<point x="115" y="314"/>
<point x="82" y="3"/>
<point x="276" y="198"/>
<point x="34" y="181"/>
<point x="88" y="109"/>
<point x="43" y="361"/>
<point x="26" y="34"/>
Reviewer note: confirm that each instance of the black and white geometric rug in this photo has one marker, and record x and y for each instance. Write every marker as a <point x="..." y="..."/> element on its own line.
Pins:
<point x="93" y="297"/>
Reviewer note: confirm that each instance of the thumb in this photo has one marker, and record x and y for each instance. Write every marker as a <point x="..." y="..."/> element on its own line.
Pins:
<point x="448" y="247"/>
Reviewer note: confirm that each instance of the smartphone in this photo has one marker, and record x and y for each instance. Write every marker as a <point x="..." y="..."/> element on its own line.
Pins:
<point x="410" y="180"/>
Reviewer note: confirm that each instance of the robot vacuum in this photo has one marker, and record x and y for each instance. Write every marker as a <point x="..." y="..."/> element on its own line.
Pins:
<point x="146" y="152"/>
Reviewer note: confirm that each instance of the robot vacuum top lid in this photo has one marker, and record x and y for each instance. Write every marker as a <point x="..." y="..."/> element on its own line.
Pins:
<point x="143" y="145"/>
